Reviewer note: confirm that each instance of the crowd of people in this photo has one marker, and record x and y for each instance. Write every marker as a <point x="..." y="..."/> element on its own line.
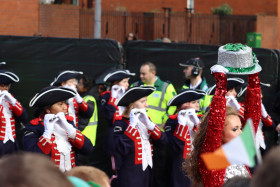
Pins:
<point x="154" y="136"/>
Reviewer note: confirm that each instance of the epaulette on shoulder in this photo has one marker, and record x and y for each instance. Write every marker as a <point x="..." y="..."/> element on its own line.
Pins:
<point x="173" y="116"/>
<point x="103" y="93"/>
<point x="35" y="121"/>
<point x="69" y="118"/>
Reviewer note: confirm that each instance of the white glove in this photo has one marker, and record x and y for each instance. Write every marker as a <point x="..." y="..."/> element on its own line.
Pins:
<point x="183" y="119"/>
<point x="132" y="118"/>
<point x="121" y="91"/>
<point x="193" y="116"/>
<point x="1" y="96"/>
<point x="264" y="113"/>
<point x="117" y="91"/>
<point x="70" y="87"/>
<point x="78" y="98"/>
<point x="143" y="117"/>
<point x="71" y="131"/>
<point x="218" y="68"/>
<point x="9" y="97"/>
<point x="49" y="121"/>
<point x="231" y="101"/>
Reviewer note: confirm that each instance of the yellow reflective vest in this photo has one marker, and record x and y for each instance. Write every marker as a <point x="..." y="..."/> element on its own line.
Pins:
<point x="157" y="101"/>
<point x="91" y="129"/>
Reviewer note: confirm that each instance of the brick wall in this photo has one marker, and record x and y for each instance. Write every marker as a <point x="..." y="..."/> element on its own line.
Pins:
<point x="59" y="21"/>
<point x="240" y="7"/>
<point x="19" y="17"/>
<point x="144" y="5"/>
<point x="267" y="26"/>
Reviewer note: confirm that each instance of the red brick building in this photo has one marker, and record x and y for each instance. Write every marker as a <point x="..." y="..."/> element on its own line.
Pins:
<point x="29" y="18"/>
<point x="240" y="7"/>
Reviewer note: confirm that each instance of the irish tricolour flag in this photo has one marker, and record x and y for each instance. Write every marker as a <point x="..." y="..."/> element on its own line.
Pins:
<point x="240" y="150"/>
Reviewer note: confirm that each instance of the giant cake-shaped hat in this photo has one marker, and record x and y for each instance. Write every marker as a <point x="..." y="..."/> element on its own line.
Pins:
<point x="238" y="59"/>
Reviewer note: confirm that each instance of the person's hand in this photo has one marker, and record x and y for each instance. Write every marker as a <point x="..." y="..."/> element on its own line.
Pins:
<point x="143" y="117"/>
<point x="78" y="98"/>
<point x="8" y="97"/>
<point x="1" y="96"/>
<point x="132" y="118"/>
<point x="71" y="131"/>
<point x="193" y="116"/>
<point x="120" y="91"/>
<point x="183" y="119"/>
<point x="117" y="91"/>
<point x="49" y="121"/>
<point x="218" y="69"/>
<point x="264" y="113"/>
<point x="232" y="101"/>
<point x="72" y="87"/>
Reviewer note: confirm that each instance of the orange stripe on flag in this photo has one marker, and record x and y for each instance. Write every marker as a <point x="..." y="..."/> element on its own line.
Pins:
<point x="215" y="160"/>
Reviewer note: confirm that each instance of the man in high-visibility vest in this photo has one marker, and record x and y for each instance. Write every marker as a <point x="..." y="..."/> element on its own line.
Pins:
<point x="157" y="102"/>
<point x="193" y="69"/>
<point x="158" y="111"/>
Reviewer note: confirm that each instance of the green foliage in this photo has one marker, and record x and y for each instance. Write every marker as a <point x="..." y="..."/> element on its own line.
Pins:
<point x="224" y="9"/>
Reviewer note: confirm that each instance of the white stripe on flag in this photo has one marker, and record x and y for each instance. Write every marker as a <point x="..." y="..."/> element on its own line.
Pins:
<point x="236" y="153"/>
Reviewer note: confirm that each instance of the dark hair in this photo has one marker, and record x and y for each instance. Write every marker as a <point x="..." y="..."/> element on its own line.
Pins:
<point x="191" y="164"/>
<point x="87" y="82"/>
<point x="32" y="170"/>
<point x="267" y="174"/>
<point x="40" y="111"/>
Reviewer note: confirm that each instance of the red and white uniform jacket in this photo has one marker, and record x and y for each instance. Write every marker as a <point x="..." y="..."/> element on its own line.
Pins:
<point x="75" y="109"/>
<point x="134" y="151"/>
<point x="8" y="115"/>
<point x="60" y="148"/>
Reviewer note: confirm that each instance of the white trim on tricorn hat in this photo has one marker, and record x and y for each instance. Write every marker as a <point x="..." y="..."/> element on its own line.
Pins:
<point x="118" y="75"/>
<point x="243" y="89"/>
<point x="186" y="95"/>
<point x="8" y="77"/>
<point x="231" y="83"/>
<point x="57" y="94"/>
<point x="59" y="79"/>
<point x="133" y="94"/>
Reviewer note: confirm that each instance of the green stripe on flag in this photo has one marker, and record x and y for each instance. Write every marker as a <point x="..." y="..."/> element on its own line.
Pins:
<point x="248" y="140"/>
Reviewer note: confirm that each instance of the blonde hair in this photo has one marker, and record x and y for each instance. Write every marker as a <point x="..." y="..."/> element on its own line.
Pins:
<point x="89" y="173"/>
<point x="127" y="110"/>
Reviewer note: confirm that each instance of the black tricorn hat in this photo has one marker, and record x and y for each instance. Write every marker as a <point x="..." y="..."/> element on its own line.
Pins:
<point x="7" y="77"/>
<point x="197" y="62"/>
<point x="133" y="94"/>
<point x="118" y="75"/>
<point x="243" y="88"/>
<point x="231" y="83"/>
<point x="51" y="95"/>
<point x="186" y="95"/>
<point x="64" y="76"/>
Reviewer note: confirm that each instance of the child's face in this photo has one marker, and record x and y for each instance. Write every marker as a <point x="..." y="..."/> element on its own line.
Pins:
<point x="231" y="92"/>
<point x="192" y="104"/>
